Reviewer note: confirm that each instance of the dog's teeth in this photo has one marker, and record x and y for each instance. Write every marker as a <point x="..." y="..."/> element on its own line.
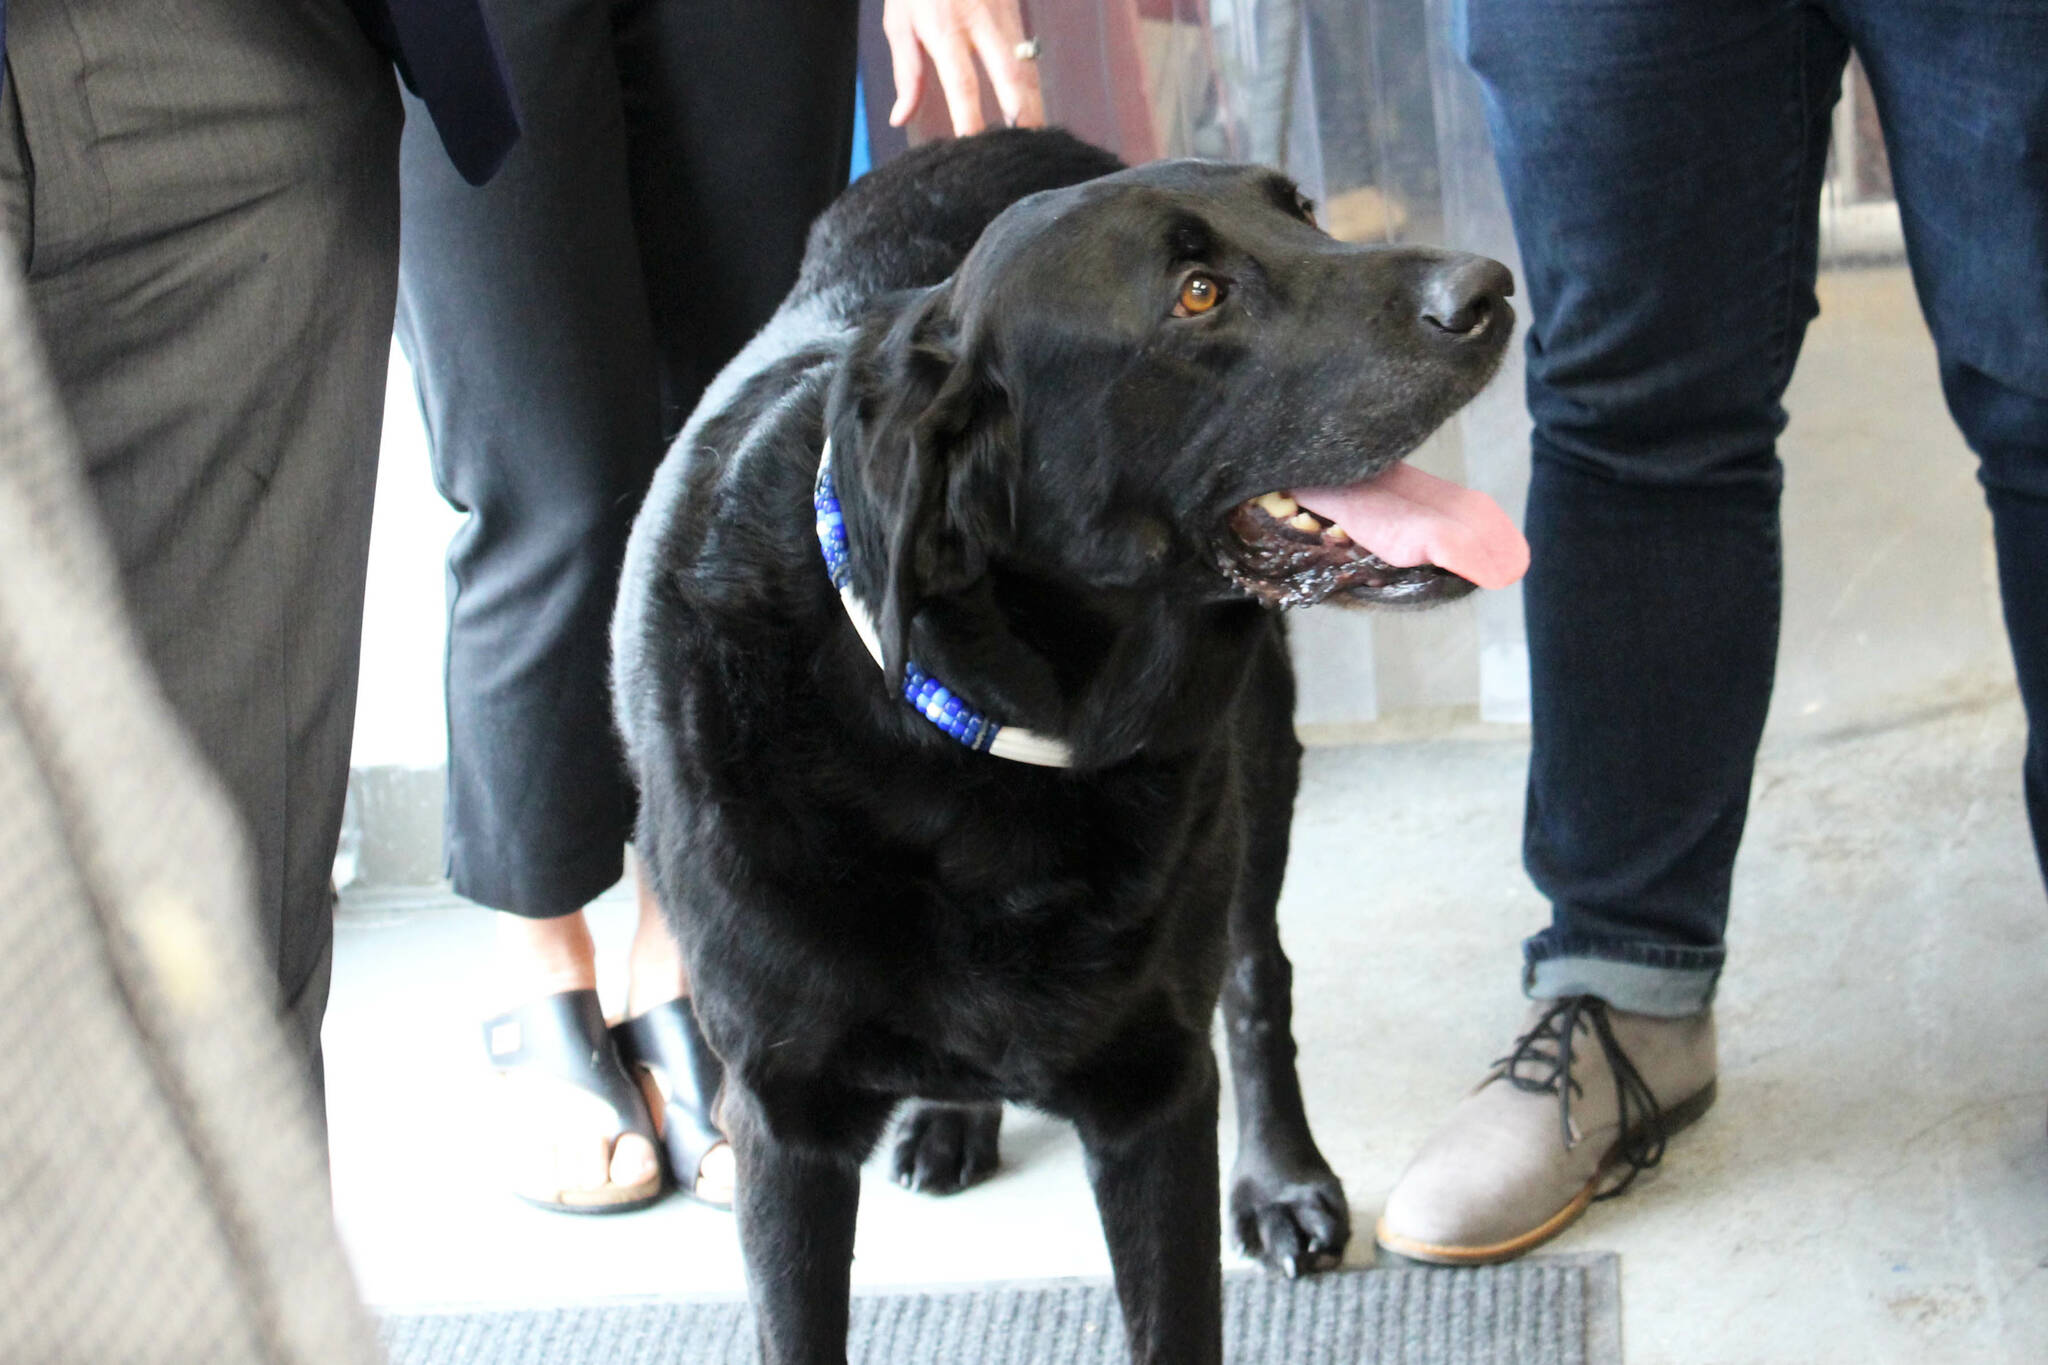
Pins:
<point x="1338" y="534"/>
<point x="1305" y="521"/>
<point x="1278" y="505"/>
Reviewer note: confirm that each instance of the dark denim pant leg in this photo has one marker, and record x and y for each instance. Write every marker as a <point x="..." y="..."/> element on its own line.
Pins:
<point x="1963" y="94"/>
<point x="1662" y="163"/>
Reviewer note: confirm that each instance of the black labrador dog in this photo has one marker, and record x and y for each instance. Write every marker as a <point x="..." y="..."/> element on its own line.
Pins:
<point x="947" y="664"/>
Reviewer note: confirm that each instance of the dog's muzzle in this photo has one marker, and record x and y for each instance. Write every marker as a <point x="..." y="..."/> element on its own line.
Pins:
<point x="1402" y="538"/>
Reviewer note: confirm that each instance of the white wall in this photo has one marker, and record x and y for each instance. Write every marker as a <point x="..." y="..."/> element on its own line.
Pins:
<point x="398" y="706"/>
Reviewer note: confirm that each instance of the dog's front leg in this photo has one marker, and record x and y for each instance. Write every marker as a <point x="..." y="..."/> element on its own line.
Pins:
<point x="1154" y="1174"/>
<point x="1287" y="1206"/>
<point x="796" y="1207"/>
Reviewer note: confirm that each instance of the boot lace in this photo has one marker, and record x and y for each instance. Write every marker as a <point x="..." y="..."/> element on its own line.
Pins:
<point x="1541" y="1063"/>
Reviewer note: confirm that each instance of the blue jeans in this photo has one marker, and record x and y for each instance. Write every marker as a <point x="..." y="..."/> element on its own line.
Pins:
<point x="1663" y="164"/>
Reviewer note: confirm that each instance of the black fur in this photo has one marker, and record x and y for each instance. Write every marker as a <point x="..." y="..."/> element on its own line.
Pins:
<point x="1036" y="464"/>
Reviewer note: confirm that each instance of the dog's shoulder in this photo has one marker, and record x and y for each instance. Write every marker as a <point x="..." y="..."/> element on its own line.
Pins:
<point x="719" y="550"/>
<point x="910" y="222"/>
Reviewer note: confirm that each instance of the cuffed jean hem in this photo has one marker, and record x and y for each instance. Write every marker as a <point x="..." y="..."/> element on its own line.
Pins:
<point x="1667" y="992"/>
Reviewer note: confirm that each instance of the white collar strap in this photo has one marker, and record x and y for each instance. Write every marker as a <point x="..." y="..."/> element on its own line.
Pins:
<point x="928" y="696"/>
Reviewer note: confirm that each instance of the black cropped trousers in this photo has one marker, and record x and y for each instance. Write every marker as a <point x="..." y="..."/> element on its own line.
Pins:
<point x="561" y="322"/>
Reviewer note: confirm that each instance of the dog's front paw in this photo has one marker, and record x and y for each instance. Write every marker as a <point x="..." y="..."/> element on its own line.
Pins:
<point x="1296" y="1222"/>
<point x="944" y="1148"/>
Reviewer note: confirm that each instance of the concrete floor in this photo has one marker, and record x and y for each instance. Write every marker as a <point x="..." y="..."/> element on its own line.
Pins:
<point x="1873" y="1184"/>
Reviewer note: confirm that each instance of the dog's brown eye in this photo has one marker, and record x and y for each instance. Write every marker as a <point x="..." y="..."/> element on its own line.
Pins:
<point x="1198" y="294"/>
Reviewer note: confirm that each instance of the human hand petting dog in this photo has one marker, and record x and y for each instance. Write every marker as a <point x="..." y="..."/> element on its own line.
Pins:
<point x="955" y="32"/>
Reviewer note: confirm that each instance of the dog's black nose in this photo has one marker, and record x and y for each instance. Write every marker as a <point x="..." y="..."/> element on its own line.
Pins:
<point x="1464" y="294"/>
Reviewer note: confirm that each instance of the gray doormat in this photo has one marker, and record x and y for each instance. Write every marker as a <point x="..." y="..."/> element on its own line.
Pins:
<point x="1545" y="1311"/>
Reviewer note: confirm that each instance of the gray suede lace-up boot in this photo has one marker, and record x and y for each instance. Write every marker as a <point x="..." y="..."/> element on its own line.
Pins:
<point x="1580" y="1106"/>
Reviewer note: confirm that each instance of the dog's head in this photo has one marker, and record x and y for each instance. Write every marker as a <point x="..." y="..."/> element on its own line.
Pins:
<point x="1170" y="379"/>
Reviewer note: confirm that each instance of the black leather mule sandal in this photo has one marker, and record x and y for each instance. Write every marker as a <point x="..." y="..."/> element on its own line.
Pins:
<point x="667" y="1042"/>
<point x="564" y="1038"/>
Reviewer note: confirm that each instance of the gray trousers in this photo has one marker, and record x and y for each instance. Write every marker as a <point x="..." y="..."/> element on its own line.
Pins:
<point x="161" y="1188"/>
<point x="202" y="197"/>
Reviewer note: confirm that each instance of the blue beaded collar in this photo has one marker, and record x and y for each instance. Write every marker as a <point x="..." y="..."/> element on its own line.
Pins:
<point x="931" y="698"/>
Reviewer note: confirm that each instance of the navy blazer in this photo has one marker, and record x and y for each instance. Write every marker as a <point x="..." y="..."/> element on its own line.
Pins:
<point x="448" y="55"/>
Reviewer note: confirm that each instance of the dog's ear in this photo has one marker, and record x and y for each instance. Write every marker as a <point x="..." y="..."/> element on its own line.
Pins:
<point x="937" y="454"/>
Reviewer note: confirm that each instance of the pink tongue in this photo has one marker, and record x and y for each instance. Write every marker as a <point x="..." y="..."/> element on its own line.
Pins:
<point x="1407" y="517"/>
